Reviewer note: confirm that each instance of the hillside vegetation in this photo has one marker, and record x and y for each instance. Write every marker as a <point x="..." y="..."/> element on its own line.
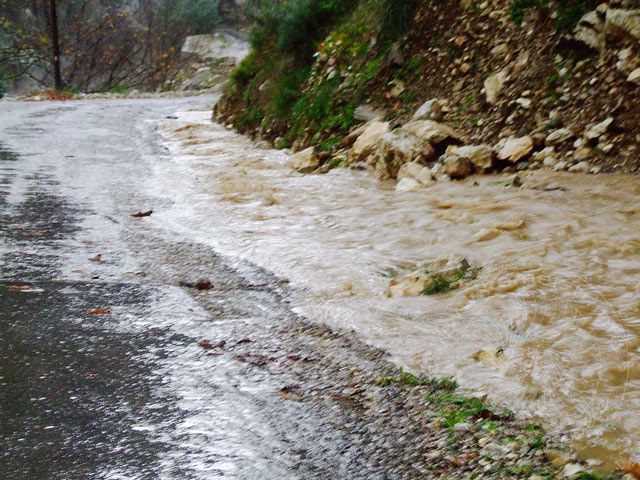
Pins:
<point x="494" y="71"/>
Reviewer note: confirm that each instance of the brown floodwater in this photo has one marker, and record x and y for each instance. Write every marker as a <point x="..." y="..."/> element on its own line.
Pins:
<point x="558" y="292"/>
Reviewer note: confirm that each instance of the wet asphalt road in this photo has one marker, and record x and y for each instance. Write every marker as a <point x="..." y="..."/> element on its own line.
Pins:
<point x="75" y="388"/>
<point x="131" y="394"/>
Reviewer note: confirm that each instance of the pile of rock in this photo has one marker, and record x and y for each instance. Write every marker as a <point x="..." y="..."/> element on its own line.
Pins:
<point x="424" y="151"/>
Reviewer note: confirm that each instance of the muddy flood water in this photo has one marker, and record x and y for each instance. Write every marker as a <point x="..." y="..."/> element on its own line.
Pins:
<point x="557" y="297"/>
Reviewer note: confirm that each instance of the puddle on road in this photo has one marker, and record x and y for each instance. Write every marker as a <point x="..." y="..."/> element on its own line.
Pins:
<point x="558" y="290"/>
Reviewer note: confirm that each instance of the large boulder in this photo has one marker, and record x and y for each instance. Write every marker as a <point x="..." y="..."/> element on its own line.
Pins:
<point x="620" y="21"/>
<point x="304" y="161"/>
<point x="430" y="110"/>
<point x="481" y="156"/>
<point x="590" y="30"/>
<point x="364" y="144"/>
<point x="396" y="148"/>
<point x="515" y="149"/>
<point x="433" y="132"/>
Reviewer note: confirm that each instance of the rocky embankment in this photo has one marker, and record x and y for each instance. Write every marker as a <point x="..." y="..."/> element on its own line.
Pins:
<point x="467" y="90"/>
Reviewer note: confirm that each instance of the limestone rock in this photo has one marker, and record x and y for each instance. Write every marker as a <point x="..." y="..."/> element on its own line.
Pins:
<point x="493" y="85"/>
<point x="408" y="185"/>
<point x="516" y="149"/>
<point x="433" y="132"/>
<point x="481" y="156"/>
<point x="597" y="130"/>
<point x="581" y="167"/>
<point x="417" y="172"/>
<point x="590" y="30"/>
<point x="634" y="76"/>
<point x="558" y="136"/>
<point x="368" y="138"/>
<point x="571" y="469"/>
<point x="430" y="110"/>
<point x="457" y="167"/>
<point x="396" y="148"/>
<point x="622" y="21"/>
<point x="305" y="161"/>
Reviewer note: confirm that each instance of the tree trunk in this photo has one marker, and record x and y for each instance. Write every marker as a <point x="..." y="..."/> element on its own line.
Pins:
<point x="55" y="40"/>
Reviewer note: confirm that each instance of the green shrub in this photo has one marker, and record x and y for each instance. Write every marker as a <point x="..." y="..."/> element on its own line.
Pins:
<point x="568" y="12"/>
<point x="245" y="71"/>
<point x="287" y="90"/>
<point x="518" y="8"/>
<point x="397" y="15"/>
<point x="571" y="11"/>
<point x="296" y="26"/>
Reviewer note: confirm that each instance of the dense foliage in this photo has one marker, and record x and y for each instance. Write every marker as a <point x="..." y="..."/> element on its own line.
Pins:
<point x="568" y="12"/>
<point x="105" y="44"/>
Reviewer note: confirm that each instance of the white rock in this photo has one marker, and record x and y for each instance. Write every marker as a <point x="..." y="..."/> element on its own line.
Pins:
<point x="430" y="110"/>
<point x="524" y="102"/>
<point x="607" y="148"/>
<point x="549" y="162"/>
<point x="462" y="427"/>
<point x="304" y="161"/>
<point x="500" y="51"/>
<point x="367" y="113"/>
<point x="598" y="129"/>
<point x="396" y="148"/>
<point x="493" y="85"/>
<point x="432" y="132"/>
<point x="561" y="165"/>
<point x="417" y="172"/>
<point x="634" y="76"/>
<point x="516" y="148"/>
<point x="581" y="167"/>
<point x="367" y="139"/>
<point x="590" y="31"/>
<point x="625" y="21"/>
<point x="558" y="136"/>
<point x="571" y="469"/>
<point x="481" y="156"/>
<point x="544" y="153"/>
<point x="408" y="185"/>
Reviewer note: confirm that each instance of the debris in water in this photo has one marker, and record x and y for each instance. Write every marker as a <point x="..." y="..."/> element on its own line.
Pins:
<point x="143" y="214"/>
<point x="202" y="284"/>
<point x="100" y="311"/>
<point x="289" y="393"/>
<point x="97" y="258"/>
<point x="207" y="345"/>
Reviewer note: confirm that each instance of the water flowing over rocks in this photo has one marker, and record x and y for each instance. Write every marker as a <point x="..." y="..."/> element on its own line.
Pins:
<point x="440" y="276"/>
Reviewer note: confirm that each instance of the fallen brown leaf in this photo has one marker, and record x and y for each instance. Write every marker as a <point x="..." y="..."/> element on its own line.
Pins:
<point x="100" y="311"/>
<point x="97" y="258"/>
<point x="143" y="214"/>
<point x="18" y="287"/>
<point x="290" y="392"/>
<point x="32" y="234"/>
<point x="631" y="468"/>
